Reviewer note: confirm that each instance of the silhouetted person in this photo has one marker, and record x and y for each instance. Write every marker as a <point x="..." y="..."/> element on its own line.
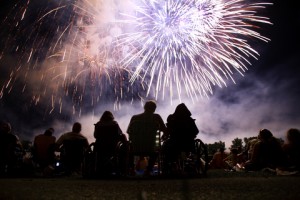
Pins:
<point x="182" y="133"/>
<point x="217" y="161"/>
<point x="233" y="159"/>
<point x="267" y="153"/>
<point x="291" y="148"/>
<point x="9" y="145"/>
<point x="44" y="148"/>
<point x="142" y="130"/>
<point x="110" y="141"/>
<point x="247" y="153"/>
<point x="72" y="146"/>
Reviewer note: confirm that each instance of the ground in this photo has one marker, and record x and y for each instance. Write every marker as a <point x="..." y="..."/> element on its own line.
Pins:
<point x="217" y="184"/>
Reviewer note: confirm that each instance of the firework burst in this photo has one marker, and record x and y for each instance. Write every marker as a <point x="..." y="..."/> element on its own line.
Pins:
<point x="191" y="45"/>
<point x="64" y="52"/>
<point x="92" y="50"/>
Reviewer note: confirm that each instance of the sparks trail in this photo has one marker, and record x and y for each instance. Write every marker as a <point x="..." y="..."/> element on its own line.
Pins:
<point x="64" y="52"/>
<point x="89" y="51"/>
<point x="190" y="45"/>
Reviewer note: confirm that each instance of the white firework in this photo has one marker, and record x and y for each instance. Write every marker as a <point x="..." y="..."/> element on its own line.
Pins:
<point x="190" y="44"/>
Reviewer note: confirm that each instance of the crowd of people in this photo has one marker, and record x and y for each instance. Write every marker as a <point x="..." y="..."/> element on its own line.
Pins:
<point x="113" y="152"/>
<point x="263" y="152"/>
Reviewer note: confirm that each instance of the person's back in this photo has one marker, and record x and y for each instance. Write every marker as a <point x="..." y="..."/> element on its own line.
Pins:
<point x="250" y="147"/>
<point x="232" y="159"/>
<point x="182" y="129"/>
<point x="110" y="146"/>
<point x="267" y="152"/>
<point x="142" y="131"/>
<point x="217" y="161"/>
<point x="291" y="148"/>
<point x="8" y="146"/>
<point x="144" y="127"/>
<point x="72" y="146"/>
<point x="44" y="147"/>
<point x="108" y="134"/>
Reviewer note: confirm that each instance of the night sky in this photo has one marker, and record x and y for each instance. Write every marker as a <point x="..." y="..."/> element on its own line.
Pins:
<point x="267" y="96"/>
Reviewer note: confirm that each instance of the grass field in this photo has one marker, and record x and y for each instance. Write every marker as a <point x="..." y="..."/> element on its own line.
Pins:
<point x="217" y="185"/>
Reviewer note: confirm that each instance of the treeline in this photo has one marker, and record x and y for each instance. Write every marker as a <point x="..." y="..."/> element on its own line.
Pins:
<point x="235" y="143"/>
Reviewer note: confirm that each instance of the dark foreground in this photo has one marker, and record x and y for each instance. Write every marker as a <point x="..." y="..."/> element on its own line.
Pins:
<point x="217" y="185"/>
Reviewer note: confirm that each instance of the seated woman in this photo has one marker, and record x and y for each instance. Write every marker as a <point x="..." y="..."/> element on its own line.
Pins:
<point x="291" y="148"/>
<point x="107" y="134"/>
<point x="267" y="153"/>
<point x="182" y="131"/>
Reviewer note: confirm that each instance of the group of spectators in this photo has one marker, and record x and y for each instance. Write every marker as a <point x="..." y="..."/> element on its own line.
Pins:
<point x="179" y="133"/>
<point x="112" y="147"/>
<point x="263" y="152"/>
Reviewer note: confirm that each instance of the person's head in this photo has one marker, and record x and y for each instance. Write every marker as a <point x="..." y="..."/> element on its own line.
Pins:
<point x="5" y="127"/>
<point x="182" y="111"/>
<point x="221" y="149"/>
<point x="76" y="127"/>
<point x="107" y="116"/>
<point x="293" y="136"/>
<point x="150" y="106"/>
<point x="49" y="131"/>
<point x="264" y="134"/>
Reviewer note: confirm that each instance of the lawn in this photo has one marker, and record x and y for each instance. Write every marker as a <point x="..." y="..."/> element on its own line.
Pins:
<point x="216" y="185"/>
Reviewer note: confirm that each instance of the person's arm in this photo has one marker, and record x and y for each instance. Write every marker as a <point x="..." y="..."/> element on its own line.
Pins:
<point x="96" y="130"/>
<point x="86" y="143"/>
<point x="162" y="126"/>
<point x="255" y="154"/>
<point x="129" y="126"/>
<point x="122" y="136"/>
<point x="59" y="142"/>
<point x="227" y="158"/>
<point x="193" y="127"/>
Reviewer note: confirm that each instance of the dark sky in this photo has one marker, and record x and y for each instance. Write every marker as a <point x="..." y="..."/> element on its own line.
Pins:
<point x="267" y="96"/>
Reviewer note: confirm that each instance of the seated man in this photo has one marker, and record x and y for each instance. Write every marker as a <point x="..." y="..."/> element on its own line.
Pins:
<point x="142" y="131"/>
<point x="72" y="146"/>
<point x="43" y="148"/>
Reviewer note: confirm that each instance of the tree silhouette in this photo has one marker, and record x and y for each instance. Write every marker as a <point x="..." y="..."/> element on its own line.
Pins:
<point x="237" y="142"/>
<point x="213" y="148"/>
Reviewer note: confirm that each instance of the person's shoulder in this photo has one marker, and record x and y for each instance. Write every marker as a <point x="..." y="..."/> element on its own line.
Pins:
<point x="97" y="123"/>
<point x="38" y="136"/>
<point x="13" y="136"/>
<point x="258" y="143"/>
<point x="64" y="135"/>
<point x="138" y="115"/>
<point x="156" y="115"/>
<point x="82" y="136"/>
<point x="52" y="137"/>
<point x="114" y="122"/>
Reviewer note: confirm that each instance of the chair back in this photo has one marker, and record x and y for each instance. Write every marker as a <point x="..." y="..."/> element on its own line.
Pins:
<point x="74" y="150"/>
<point x="142" y="136"/>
